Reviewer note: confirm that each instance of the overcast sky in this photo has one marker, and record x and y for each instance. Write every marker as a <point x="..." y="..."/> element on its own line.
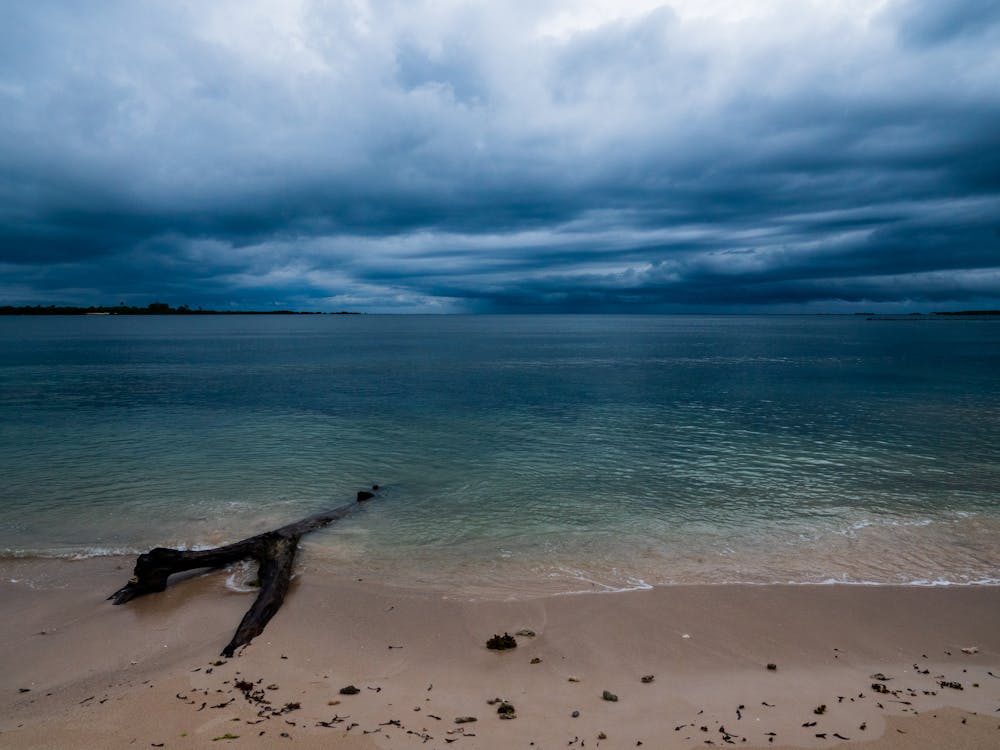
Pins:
<point x="528" y="155"/>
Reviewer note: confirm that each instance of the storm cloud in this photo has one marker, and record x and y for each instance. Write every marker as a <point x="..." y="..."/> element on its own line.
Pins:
<point x="785" y="155"/>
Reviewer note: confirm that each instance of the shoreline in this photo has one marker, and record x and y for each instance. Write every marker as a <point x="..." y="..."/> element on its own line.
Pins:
<point x="957" y="551"/>
<point x="522" y="584"/>
<point x="116" y="674"/>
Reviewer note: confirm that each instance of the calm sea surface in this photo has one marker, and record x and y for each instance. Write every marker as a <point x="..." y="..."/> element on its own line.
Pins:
<point x="519" y="454"/>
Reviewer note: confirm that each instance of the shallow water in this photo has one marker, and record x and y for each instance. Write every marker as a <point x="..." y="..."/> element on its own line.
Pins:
<point x="518" y="453"/>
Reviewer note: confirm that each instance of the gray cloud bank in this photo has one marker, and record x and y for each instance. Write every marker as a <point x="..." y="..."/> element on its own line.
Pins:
<point x="444" y="157"/>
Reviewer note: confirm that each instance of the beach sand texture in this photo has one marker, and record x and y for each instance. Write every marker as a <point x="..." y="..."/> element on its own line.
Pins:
<point x="78" y="672"/>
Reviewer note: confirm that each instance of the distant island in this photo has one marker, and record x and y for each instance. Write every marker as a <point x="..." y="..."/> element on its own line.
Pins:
<point x="970" y="312"/>
<point x="154" y="308"/>
<point x="933" y="315"/>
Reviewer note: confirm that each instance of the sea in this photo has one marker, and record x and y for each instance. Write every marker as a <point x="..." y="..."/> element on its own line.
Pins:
<point x="516" y="455"/>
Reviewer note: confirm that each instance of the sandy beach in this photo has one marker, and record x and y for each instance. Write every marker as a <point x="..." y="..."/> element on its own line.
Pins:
<point x="78" y="672"/>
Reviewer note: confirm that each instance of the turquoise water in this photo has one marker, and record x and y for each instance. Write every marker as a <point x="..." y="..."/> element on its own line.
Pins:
<point x="518" y="454"/>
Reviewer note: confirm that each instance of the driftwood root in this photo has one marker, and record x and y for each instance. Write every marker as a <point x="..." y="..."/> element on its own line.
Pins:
<point x="274" y="551"/>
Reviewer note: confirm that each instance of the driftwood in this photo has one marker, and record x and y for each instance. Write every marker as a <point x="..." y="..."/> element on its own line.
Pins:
<point x="274" y="552"/>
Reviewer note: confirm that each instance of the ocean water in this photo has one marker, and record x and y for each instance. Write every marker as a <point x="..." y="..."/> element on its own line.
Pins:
<point x="517" y="454"/>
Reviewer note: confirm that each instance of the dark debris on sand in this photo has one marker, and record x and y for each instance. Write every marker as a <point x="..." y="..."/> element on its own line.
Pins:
<point x="501" y="642"/>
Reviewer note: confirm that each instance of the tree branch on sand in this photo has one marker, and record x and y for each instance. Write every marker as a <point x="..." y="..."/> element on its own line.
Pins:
<point x="274" y="552"/>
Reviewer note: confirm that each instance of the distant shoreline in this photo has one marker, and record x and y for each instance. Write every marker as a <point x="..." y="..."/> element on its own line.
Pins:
<point x="160" y="308"/>
<point x="932" y="316"/>
<point x="154" y="309"/>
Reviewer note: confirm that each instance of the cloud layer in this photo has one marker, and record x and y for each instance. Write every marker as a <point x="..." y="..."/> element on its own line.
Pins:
<point x="539" y="156"/>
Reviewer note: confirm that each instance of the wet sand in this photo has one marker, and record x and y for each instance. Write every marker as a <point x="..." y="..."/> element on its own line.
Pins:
<point x="78" y="672"/>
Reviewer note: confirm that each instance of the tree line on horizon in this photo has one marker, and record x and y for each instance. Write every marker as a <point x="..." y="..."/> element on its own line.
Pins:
<point x="154" y="308"/>
<point x="162" y="308"/>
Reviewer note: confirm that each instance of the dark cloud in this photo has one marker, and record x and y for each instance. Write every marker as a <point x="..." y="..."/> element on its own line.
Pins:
<point x="925" y="23"/>
<point x="534" y="156"/>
